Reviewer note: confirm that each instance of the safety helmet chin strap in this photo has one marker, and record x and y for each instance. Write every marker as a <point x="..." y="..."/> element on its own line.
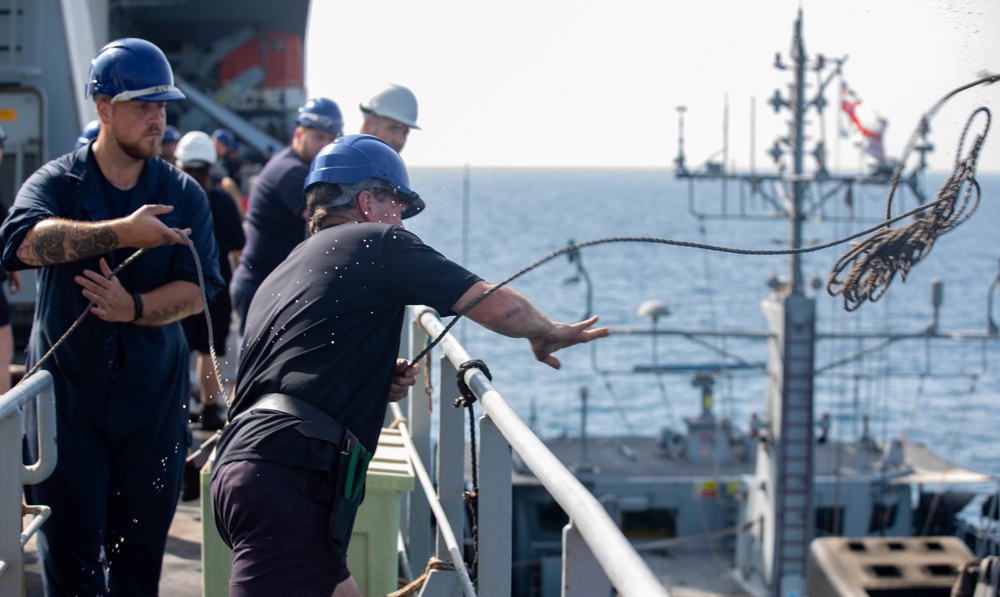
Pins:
<point x="130" y="95"/>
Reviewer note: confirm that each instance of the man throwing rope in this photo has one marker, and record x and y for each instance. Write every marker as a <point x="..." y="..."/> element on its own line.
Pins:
<point x="319" y="368"/>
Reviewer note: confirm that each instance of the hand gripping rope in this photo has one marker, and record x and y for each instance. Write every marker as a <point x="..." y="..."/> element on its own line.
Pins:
<point x="208" y="318"/>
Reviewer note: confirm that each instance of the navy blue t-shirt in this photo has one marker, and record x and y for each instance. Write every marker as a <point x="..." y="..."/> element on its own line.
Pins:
<point x="324" y="327"/>
<point x="274" y="221"/>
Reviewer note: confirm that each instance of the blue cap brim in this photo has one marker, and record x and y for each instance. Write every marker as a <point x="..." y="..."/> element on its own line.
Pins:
<point x="166" y="96"/>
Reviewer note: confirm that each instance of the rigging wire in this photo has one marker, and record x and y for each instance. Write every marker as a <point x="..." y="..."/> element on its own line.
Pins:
<point x="727" y="397"/>
<point x="917" y="399"/>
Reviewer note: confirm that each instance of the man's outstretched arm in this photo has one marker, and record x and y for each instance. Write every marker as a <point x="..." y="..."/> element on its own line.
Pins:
<point x="509" y="313"/>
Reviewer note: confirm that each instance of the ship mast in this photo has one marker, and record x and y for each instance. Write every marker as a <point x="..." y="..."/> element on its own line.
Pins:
<point x="773" y="555"/>
<point x="798" y="106"/>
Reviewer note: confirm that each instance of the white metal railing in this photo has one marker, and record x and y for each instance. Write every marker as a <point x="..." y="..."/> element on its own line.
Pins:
<point x="444" y="526"/>
<point x="14" y="474"/>
<point x="596" y="555"/>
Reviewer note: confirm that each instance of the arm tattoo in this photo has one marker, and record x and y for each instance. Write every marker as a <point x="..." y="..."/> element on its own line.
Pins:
<point x="68" y="242"/>
<point x="169" y="314"/>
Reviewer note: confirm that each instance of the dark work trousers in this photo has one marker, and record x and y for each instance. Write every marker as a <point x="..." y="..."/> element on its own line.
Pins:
<point x="113" y="492"/>
<point x="274" y="517"/>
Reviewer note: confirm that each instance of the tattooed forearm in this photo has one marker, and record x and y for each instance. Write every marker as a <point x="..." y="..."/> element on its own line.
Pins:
<point x="64" y="242"/>
<point x="170" y="314"/>
<point x="93" y="242"/>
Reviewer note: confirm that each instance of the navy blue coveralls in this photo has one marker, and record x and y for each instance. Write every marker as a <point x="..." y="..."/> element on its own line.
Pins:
<point x="121" y="389"/>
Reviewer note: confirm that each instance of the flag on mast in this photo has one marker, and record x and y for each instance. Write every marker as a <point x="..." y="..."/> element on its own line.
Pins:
<point x="870" y="134"/>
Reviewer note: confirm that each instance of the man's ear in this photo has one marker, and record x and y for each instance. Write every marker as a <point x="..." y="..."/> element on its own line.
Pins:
<point x="368" y="125"/>
<point x="104" y="108"/>
<point x="366" y="201"/>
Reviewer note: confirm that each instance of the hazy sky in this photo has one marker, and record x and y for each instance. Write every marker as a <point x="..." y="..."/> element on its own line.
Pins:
<point x="596" y="84"/>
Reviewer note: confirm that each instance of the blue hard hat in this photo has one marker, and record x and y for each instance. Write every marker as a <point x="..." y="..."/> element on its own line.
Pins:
<point x="88" y="134"/>
<point x="132" y="69"/>
<point x="226" y="137"/>
<point x="171" y="134"/>
<point x="3" y="135"/>
<point x="321" y="113"/>
<point x="354" y="158"/>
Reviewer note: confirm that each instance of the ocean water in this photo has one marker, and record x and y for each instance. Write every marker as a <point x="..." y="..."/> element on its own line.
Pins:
<point x="942" y="392"/>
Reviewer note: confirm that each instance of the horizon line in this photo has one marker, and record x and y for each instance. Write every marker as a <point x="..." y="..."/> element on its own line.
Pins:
<point x="640" y="168"/>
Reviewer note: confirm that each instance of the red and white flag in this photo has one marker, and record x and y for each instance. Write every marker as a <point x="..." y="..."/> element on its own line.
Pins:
<point x="869" y="128"/>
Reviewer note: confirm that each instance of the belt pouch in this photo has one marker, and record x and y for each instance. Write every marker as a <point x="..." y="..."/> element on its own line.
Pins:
<point x="341" y="524"/>
<point x="348" y="493"/>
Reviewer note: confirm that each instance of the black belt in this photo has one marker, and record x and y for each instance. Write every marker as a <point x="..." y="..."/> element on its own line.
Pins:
<point x="348" y="470"/>
<point x="315" y="423"/>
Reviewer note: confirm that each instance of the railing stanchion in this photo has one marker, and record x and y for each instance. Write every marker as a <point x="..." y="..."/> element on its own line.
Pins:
<point x="15" y="474"/>
<point x="450" y="456"/>
<point x="419" y="424"/>
<point x="582" y="573"/>
<point x="495" y="520"/>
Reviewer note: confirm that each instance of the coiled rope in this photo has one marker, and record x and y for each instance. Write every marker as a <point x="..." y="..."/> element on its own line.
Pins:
<point x="865" y="272"/>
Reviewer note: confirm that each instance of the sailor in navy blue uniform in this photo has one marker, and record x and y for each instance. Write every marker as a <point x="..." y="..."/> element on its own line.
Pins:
<point x="121" y="379"/>
<point x="276" y="219"/>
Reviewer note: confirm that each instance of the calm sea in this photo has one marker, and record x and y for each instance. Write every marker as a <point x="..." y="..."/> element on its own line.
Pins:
<point x="943" y="393"/>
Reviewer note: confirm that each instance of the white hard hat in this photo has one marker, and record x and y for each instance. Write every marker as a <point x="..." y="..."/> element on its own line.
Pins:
<point x="395" y="102"/>
<point x="195" y="149"/>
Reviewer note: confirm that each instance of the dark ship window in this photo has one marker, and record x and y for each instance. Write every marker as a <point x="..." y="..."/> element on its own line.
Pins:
<point x="654" y="522"/>
<point x="829" y="522"/>
<point x="883" y="517"/>
<point x="551" y="517"/>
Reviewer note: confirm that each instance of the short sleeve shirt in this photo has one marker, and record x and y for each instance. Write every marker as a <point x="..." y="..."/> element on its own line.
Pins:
<point x="325" y="328"/>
